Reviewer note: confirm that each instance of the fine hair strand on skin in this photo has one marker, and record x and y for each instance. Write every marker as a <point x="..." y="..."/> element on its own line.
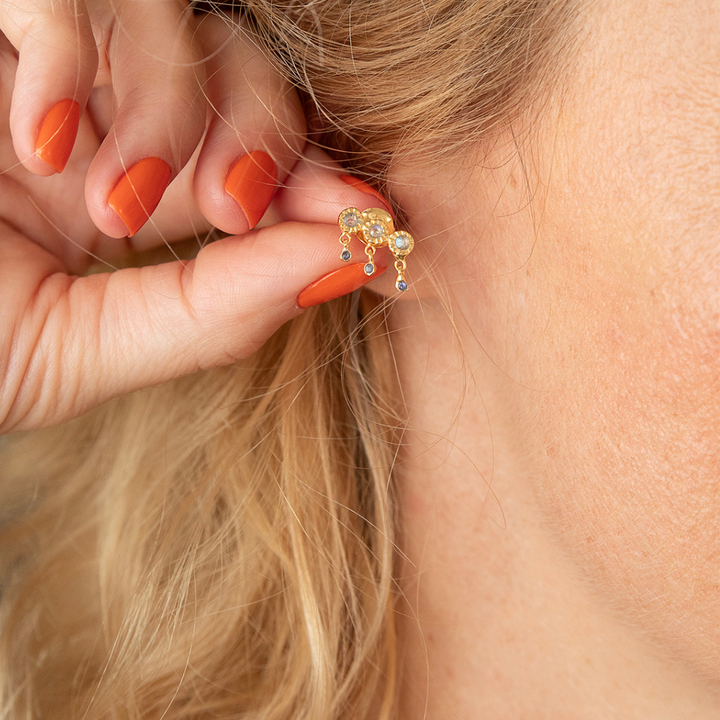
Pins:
<point x="224" y="545"/>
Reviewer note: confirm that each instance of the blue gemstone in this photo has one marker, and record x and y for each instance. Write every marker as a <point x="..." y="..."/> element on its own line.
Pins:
<point x="369" y="268"/>
<point x="345" y="255"/>
<point x="401" y="285"/>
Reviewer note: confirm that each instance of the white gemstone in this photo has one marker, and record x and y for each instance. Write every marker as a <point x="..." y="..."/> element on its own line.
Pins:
<point x="402" y="242"/>
<point x="351" y="219"/>
<point x="376" y="230"/>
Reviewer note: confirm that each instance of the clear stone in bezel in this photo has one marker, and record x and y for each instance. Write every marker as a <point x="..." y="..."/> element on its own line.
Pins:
<point x="376" y="230"/>
<point x="402" y="242"/>
<point x="351" y="219"/>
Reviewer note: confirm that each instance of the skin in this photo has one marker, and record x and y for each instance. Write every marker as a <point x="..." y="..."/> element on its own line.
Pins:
<point x="558" y="483"/>
<point x="198" y="97"/>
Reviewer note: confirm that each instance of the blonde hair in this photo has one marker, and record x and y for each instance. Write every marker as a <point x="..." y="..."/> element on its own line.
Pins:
<point x="223" y="545"/>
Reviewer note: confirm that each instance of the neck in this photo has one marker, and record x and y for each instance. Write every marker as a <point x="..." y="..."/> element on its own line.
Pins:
<point x="498" y="619"/>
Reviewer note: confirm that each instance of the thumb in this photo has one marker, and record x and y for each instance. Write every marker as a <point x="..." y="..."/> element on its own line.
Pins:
<point x="69" y="343"/>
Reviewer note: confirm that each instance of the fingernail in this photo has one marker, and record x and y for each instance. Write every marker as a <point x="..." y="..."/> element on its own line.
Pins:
<point x="139" y="191"/>
<point x="336" y="284"/>
<point x="251" y="181"/>
<point x="362" y="186"/>
<point x="57" y="133"/>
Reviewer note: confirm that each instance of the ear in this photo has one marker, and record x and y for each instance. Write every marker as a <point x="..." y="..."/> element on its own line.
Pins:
<point x="472" y="217"/>
<point x="318" y="190"/>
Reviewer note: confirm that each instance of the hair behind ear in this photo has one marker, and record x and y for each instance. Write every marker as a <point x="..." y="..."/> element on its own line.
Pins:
<point x="222" y="543"/>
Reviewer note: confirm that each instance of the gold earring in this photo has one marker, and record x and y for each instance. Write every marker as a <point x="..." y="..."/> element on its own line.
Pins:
<point x="375" y="229"/>
<point x="401" y="245"/>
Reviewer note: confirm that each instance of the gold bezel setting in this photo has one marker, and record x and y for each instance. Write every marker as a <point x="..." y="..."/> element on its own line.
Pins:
<point x="400" y="251"/>
<point x="351" y="229"/>
<point x="375" y="218"/>
<point x="375" y="240"/>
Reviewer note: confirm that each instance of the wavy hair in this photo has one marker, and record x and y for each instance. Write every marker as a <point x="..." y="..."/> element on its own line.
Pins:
<point x="224" y="545"/>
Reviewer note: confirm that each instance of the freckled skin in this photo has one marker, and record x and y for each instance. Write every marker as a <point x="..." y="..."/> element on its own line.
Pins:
<point x="580" y="465"/>
<point x="635" y="482"/>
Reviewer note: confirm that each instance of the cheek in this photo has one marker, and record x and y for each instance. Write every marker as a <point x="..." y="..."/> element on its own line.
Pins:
<point x="628" y="358"/>
<point x="630" y="461"/>
<point x="630" y="440"/>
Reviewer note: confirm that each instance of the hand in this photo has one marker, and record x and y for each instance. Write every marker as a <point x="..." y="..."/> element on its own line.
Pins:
<point x="68" y="342"/>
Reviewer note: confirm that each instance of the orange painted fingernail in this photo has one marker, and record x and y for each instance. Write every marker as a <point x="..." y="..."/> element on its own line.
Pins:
<point x="336" y="284"/>
<point x="251" y="181"/>
<point x="362" y="186"/>
<point x="57" y="133"/>
<point x="139" y="191"/>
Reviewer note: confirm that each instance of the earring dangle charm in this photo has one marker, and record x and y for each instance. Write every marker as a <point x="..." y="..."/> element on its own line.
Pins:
<point x="374" y="228"/>
<point x="401" y="244"/>
<point x="345" y="254"/>
<point x="377" y="226"/>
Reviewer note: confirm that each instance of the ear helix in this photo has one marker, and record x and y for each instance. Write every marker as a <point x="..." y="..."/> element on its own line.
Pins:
<point x="375" y="229"/>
